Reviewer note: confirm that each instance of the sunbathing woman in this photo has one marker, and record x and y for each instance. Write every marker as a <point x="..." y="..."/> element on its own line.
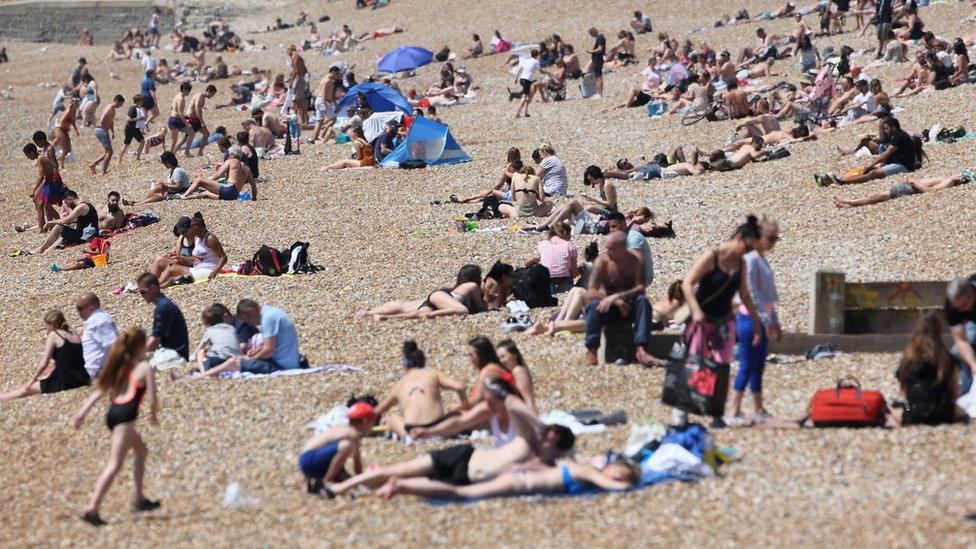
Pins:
<point x="465" y="298"/>
<point x="207" y="249"/>
<point x="418" y="392"/>
<point x="117" y="53"/>
<point x="364" y="153"/>
<point x="63" y="346"/>
<point x="569" y="478"/>
<point x="579" y="216"/>
<point x="502" y="190"/>
<point x="961" y="63"/>
<point x="527" y="194"/>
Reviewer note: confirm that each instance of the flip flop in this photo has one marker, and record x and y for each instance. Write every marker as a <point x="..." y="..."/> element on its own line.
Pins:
<point x="18" y="253"/>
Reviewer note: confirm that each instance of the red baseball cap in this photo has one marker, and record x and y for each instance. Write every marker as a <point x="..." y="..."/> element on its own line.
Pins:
<point x="360" y="411"/>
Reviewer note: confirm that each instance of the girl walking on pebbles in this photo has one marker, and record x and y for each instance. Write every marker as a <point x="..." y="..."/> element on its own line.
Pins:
<point x="128" y="379"/>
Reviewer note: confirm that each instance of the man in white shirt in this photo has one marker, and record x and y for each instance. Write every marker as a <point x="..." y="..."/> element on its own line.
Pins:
<point x="863" y="102"/>
<point x="99" y="334"/>
<point x="528" y="68"/>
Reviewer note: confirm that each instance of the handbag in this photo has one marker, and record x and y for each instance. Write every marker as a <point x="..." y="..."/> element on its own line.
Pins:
<point x="695" y="383"/>
<point x="847" y="405"/>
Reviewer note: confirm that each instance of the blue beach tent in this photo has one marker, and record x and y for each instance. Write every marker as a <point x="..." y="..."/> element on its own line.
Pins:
<point x="428" y="141"/>
<point x="380" y="98"/>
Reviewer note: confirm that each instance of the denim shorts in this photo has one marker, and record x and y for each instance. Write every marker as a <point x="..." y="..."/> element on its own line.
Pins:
<point x="893" y="169"/>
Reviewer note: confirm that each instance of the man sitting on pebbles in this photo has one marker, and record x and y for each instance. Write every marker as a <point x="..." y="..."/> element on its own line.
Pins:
<point x="237" y="175"/>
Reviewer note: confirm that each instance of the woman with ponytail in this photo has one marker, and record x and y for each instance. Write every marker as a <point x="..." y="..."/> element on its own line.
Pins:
<point x="63" y="347"/>
<point x="128" y="379"/>
<point x="710" y="288"/>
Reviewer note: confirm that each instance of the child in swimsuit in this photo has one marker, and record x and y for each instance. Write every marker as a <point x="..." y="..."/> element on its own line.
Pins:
<point x="128" y="379"/>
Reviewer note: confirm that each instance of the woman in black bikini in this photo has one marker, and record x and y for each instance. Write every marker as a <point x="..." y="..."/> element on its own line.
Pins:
<point x="63" y="347"/>
<point x="128" y="379"/>
<point x="465" y="298"/>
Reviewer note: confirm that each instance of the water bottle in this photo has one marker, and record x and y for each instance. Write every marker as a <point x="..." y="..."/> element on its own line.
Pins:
<point x="244" y="196"/>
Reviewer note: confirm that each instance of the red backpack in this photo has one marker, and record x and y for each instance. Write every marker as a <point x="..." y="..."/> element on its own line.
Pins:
<point x="847" y="405"/>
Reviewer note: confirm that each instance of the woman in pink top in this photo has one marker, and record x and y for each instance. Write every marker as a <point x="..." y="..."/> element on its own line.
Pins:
<point x="558" y="254"/>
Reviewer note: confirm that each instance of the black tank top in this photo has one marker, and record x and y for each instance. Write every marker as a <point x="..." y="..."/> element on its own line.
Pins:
<point x="69" y="361"/>
<point x="715" y="291"/>
<point x="90" y="219"/>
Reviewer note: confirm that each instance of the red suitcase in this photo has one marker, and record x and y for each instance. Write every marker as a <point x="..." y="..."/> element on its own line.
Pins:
<point x="847" y="405"/>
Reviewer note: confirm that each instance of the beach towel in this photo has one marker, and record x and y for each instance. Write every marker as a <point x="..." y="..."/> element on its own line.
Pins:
<point x="132" y="221"/>
<point x="298" y="372"/>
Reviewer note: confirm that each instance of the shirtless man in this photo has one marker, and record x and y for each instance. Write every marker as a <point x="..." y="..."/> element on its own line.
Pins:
<point x="777" y="137"/>
<point x="738" y="100"/>
<point x="259" y="136"/>
<point x="105" y="133"/>
<point x="237" y="175"/>
<point x="298" y="84"/>
<point x="757" y="125"/>
<point x="194" y="118"/>
<point x="48" y="190"/>
<point x="910" y="187"/>
<point x="112" y="218"/>
<point x="177" y="120"/>
<point x="752" y="152"/>
<point x="616" y="291"/>
<point x="535" y="444"/>
<point x="325" y="103"/>
<point x="726" y="68"/>
<point x="419" y="394"/>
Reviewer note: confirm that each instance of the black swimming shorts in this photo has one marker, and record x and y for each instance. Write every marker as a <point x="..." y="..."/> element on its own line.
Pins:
<point x="526" y="85"/>
<point x="450" y="465"/>
<point x="445" y="417"/>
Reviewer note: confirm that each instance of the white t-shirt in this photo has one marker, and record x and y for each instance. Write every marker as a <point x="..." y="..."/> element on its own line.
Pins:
<point x="180" y="176"/>
<point x="529" y="68"/>
<point x="148" y="62"/>
<point x="864" y="101"/>
<point x="141" y="118"/>
<point x="99" y="335"/>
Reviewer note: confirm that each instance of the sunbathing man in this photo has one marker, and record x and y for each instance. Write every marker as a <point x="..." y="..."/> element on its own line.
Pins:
<point x="464" y="464"/>
<point x="112" y="218"/>
<point x="177" y="120"/>
<point x="419" y="394"/>
<point x="616" y="289"/>
<point x="194" y="117"/>
<point x="908" y="188"/>
<point x="797" y="135"/>
<point x="757" y="125"/>
<point x="105" y="133"/>
<point x="237" y="175"/>
<point x="261" y="138"/>
<point x="48" y="190"/>
<point x="746" y="154"/>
